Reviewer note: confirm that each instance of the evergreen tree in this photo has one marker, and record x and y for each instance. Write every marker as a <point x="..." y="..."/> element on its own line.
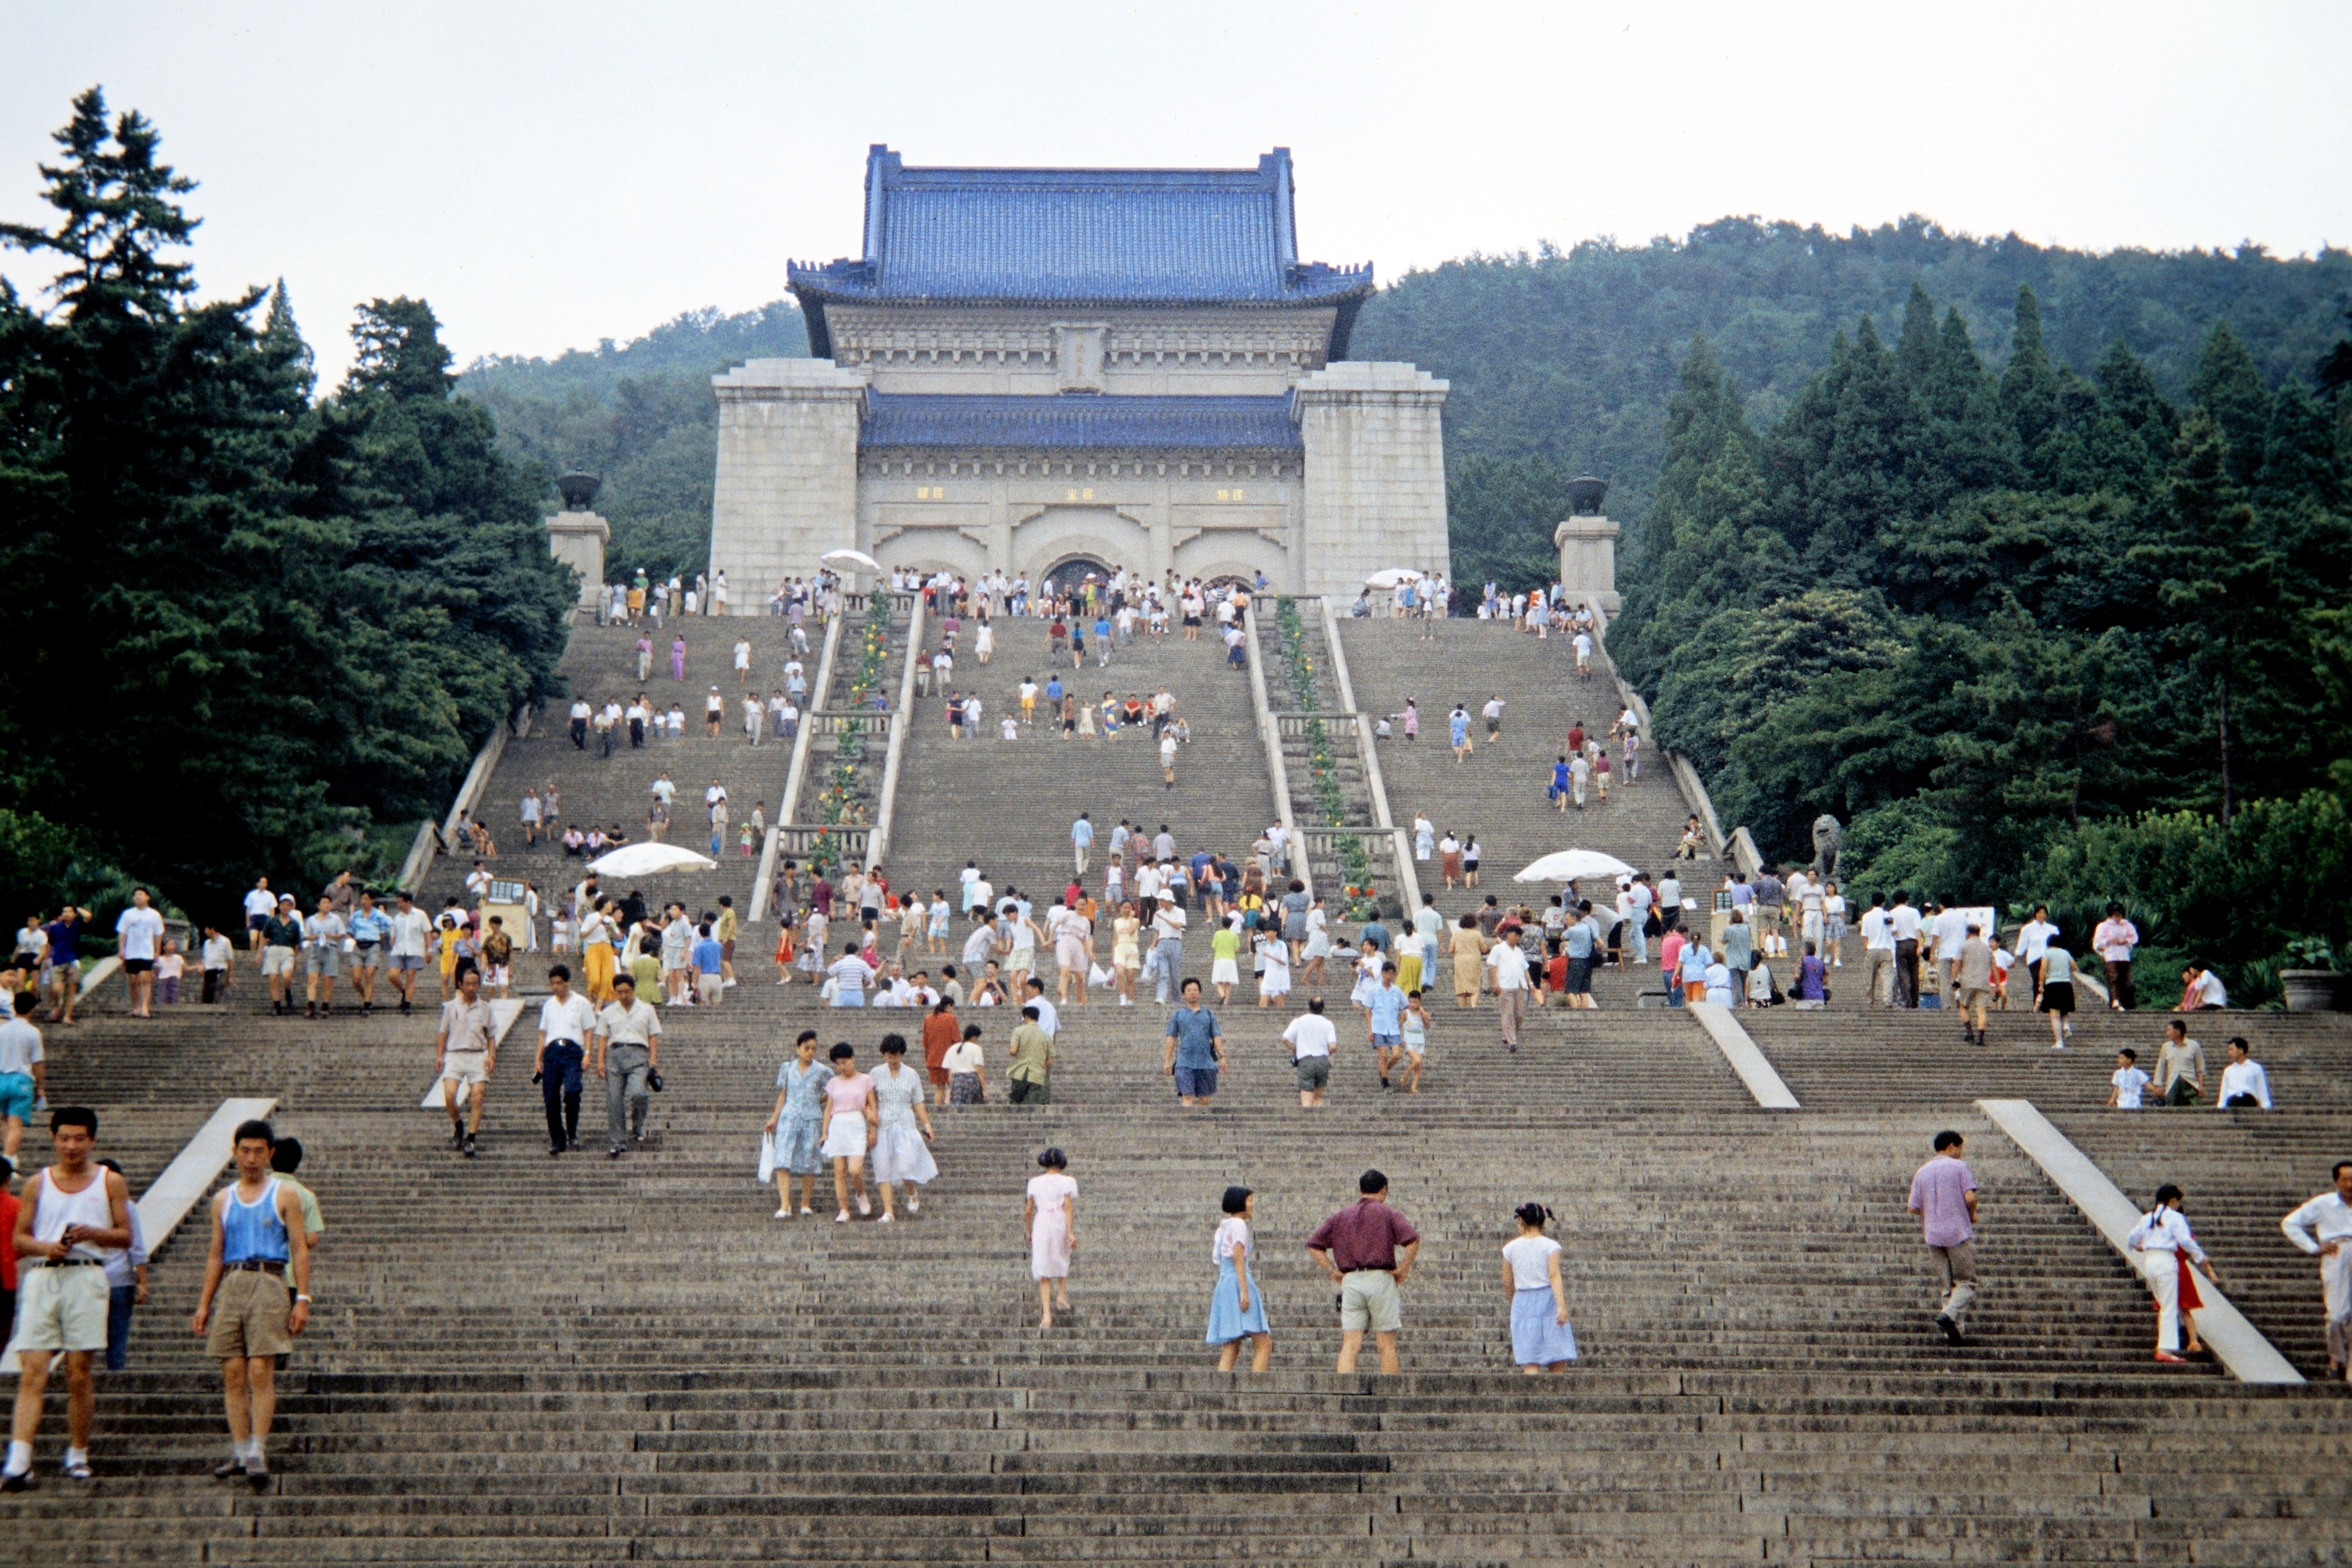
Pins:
<point x="2028" y="387"/>
<point x="2231" y="389"/>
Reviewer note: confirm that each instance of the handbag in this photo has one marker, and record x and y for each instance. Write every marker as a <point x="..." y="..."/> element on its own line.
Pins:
<point x="1098" y="976"/>
<point x="767" y="1157"/>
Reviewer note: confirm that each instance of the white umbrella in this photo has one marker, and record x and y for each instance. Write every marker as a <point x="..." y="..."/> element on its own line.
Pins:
<point x="1392" y="577"/>
<point x="647" y="859"/>
<point x="849" y="560"/>
<point x="1572" y="865"/>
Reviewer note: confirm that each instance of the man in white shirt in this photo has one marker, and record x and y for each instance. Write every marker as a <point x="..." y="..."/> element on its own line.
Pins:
<point x="1877" y="952"/>
<point x="1311" y="1036"/>
<point x="2032" y="941"/>
<point x="412" y="929"/>
<point x="567" y="1022"/>
<point x="1512" y="992"/>
<point x="1906" y="924"/>
<point x="1082" y="840"/>
<point x="260" y="903"/>
<point x="1952" y="935"/>
<point x="1493" y="713"/>
<point x="629" y="1053"/>
<point x="139" y="933"/>
<point x="2322" y="1228"/>
<point x="2245" y="1084"/>
<point x="1168" y="951"/>
<point x="579" y="716"/>
<point x="1049" y="1017"/>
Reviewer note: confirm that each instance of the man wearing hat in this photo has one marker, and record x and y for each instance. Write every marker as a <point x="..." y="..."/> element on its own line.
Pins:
<point x="281" y="935"/>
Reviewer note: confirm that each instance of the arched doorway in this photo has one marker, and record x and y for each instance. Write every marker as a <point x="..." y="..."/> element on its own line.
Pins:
<point x="1069" y="573"/>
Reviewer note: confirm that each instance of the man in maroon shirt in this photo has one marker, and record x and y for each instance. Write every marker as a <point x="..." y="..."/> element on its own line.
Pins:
<point x="1368" y="1250"/>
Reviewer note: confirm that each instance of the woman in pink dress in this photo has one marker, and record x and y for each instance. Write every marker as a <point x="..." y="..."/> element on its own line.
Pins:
<point x="1050" y="1216"/>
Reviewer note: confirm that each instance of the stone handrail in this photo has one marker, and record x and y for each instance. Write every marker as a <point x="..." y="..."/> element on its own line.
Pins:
<point x="1407" y="879"/>
<point x="796" y="776"/>
<point x="836" y="720"/>
<point x="800" y="838"/>
<point x="1272" y="741"/>
<point x="1694" y="788"/>
<point x="431" y="839"/>
<point x="878" y="844"/>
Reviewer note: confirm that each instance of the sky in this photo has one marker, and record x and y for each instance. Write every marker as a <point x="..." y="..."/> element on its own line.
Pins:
<point x="550" y="175"/>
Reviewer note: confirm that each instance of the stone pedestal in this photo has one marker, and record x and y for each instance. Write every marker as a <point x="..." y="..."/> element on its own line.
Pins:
<point x="1374" y="495"/>
<point x="578" y="539"/>
<point x="1588" y="558"/>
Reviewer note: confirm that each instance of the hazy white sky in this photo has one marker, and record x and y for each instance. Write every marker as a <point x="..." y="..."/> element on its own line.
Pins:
<point x="549" y="174"/>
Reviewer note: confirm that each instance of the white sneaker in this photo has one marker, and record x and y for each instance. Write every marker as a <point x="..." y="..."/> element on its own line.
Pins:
<point x="729" y="987"/>
<point x="865" y="1204"/>
<point x="886" y="1219"/>
<point x="786" y="1214"/>
<point x="807" y="1212"/>
<point x="914" y="1203"/>
<point x="841" y="1218"/>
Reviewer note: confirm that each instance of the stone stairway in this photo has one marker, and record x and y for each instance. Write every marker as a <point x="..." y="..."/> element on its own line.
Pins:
<point x="1010" y="804"/>
<point x="1499" y="793"/>
<point x="520" y="1359"/>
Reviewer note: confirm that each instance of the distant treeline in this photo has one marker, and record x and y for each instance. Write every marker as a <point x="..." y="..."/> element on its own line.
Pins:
<point x="642" y="416"/>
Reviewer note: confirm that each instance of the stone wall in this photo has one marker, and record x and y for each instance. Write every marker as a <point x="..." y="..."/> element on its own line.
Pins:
<point x="1204" y="514"/>
<point x="1375" y="489"/>
<point x="786" y="488"/>
<point x="1197" y="351"/>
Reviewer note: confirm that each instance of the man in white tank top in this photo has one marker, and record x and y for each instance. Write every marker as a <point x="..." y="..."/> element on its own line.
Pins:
<point x="73" y="1212"/>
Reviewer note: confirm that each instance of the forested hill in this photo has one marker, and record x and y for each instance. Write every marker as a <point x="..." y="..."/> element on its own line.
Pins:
<point x="1561" y="362"/>
<point x="641" y="415"/>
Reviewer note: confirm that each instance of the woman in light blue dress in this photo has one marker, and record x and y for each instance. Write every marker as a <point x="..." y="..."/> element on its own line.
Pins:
<point x="1540" y="1336"/>
<point x="1236" y="1309"/>
<point x="798" y="1124"/>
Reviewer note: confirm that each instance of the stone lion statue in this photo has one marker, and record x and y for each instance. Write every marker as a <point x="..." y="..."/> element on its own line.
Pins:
<point x="1827" y="838"/>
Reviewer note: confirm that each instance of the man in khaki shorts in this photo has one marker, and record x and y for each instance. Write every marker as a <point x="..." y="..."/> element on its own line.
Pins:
<point x="252" y="1319"/>
<point x="1972" y="983"/>
<point x="73" y="1212"/>
<point x="468" y="1052"/>
<point x="1367" y="1249"/>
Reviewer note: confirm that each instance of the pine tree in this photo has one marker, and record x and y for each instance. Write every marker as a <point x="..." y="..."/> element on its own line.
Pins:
<point x="2029" y="388"/>
<point x="2231" y="389"/>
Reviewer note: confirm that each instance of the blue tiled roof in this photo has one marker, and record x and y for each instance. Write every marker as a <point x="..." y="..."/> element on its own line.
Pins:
<point x="1078" y="236"/>
<point x="1076" y="419"/>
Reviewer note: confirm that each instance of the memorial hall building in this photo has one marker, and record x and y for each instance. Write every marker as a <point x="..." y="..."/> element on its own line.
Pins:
<point x="1048" y="369"/>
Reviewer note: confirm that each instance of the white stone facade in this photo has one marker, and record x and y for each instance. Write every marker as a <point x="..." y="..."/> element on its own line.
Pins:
<point x="1375" y="485"/>
<point x="787" y="480"/>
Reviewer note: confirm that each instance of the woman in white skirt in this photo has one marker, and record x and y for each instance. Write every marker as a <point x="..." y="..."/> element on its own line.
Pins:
<point x="1273" y="969"/>
<point x="1050" y="1216"/>
<point x="1319" y="945"/>
<point x="850" y="1117"/>
<point x="983" y="641"/>
<point x="902" y="1130"/>
<point x="1540" y="1337"/>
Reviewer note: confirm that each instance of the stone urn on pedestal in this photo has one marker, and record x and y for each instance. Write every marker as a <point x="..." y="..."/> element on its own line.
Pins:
<point x="577" y="536"/>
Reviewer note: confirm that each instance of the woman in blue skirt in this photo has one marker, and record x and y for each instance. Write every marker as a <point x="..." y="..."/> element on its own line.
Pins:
<point x="1237" y="1311"/>
<point x="799" y="1124"/>
<point x="1540" y="1337"/>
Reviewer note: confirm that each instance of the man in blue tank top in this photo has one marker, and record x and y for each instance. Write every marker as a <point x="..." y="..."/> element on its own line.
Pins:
<point x="252" y="1319"/>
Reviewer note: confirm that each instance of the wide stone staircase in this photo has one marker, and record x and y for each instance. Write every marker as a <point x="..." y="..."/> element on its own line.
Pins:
<point x="1010" y="805"/>
<point x="1499" y="793"/>
<point x="525" y="1359"/>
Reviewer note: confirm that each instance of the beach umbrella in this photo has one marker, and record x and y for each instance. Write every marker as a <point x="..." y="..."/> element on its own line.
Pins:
<point x="1573" y="865"/>
<point x="649" y="858"/>
<point x="1392" y="577"/>
<point x="849" y="560"/>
